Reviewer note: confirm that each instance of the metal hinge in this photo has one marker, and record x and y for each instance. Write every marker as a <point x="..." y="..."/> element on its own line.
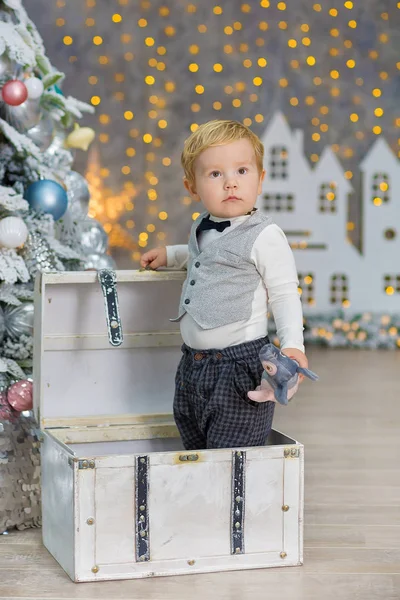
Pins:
<point x="291" y="452"/>
<point x="188" y="457"/>
<point x="86" y="464"/>
<point x="82" y="464"/>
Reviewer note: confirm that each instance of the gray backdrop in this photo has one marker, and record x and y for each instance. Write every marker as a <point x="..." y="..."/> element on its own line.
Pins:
<point x="172" y="34"/>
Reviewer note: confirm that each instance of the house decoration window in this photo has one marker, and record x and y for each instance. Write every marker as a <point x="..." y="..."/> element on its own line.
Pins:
<point x="278" y="162"/>
<point x="380" y="188"/>
<point x="391" y="284"/>
<point x="307" y="288"/>
<point x="279" y="202"/>
<point x="327" y="197"/>
<point x="339" y="290"/>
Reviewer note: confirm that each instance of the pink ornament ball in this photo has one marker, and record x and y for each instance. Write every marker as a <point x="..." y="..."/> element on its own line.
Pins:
<point x="7" y="413"/>
<point x="19" y="395"/>
<point x="14" y="92"/>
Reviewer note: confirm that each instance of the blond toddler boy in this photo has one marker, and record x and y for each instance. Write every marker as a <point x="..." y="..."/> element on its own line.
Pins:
<point x="239" y="265"/>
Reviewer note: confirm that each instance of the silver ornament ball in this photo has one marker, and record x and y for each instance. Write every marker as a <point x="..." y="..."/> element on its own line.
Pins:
<point x="77" y="190"/>
<point x="57" y="143"/>
<point x="25" y="116"/>
<point x="61" y="158"/>
<point x="93" y="238"/>
<point x="19" y="320"/>
<point x="99" y="261"/>
<point x="6" y="67"/>
<point x="42" y="134"/>
<point x="2" y="325"/>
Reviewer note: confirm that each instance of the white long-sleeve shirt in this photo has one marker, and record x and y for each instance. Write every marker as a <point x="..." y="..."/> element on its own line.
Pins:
<point x="277" y="290"/>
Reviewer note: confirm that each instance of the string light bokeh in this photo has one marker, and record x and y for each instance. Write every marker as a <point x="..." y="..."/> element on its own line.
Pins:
<point x="156" y="69"/>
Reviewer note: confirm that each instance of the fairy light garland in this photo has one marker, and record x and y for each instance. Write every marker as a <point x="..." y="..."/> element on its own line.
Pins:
<point x="241" y="96"/>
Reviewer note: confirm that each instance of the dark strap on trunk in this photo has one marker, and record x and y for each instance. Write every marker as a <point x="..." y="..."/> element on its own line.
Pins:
<point x="108" y="279"/>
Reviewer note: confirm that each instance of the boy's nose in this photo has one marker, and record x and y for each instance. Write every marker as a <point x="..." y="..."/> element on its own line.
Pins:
<point x="230" y="184"/>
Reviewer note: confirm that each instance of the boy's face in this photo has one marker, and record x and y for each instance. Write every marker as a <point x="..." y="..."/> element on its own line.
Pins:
<point x="227" y="180"/>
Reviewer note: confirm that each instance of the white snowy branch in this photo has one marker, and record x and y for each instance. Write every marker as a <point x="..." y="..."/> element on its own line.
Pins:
<point x="23" y="44"/>
<point x="20" y="141"/>
<point x="13" y="294"/>
<point x="8" y="297"/>
<point x="8" y="365"/>
<point x="12" y="267"/>
<point x="11" y="200"/>
<point x="63" y="251"/>
<point x="15" y="46"/>
<point x="77" y="107"/>
<point x="20" y="349"/>
<point x="42" y="223"/>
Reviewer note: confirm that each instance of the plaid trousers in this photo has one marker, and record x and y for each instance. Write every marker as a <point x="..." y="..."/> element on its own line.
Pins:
<point x="211" y="407"/>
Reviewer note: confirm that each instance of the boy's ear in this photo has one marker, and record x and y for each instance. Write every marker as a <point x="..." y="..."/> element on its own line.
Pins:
<point x="191" y="189"/>
<point x="260" y="182"/>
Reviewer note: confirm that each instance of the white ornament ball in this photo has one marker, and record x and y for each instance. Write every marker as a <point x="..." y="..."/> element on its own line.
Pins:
<point x="13" y="232"/>
<point x="35" y="88"/>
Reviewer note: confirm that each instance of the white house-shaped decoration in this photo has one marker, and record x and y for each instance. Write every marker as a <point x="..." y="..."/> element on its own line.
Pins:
<point x="311" y="206"/>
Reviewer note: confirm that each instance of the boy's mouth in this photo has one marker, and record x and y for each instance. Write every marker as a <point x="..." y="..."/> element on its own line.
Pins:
<point x="230" y="198"/>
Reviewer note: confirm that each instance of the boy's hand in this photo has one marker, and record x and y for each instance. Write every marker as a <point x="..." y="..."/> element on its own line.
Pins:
<point x="299" y="356"/>
<point x="154" y="259"/>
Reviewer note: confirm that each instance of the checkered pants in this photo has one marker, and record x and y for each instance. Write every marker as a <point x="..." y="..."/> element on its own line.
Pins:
<point x="211" y="407"/>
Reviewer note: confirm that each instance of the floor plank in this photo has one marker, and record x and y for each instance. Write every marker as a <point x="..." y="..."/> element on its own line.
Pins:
<point x="362" y="536"/>
<point x="349" y="423"/>
<point x="291" y="584"/>
<point x="343" y="514"/>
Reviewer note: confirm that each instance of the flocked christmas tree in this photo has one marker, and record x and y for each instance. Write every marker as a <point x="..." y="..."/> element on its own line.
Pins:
<point x="43" y="203"/>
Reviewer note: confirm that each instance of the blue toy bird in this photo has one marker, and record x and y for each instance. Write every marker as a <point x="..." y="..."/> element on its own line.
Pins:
<point x="280" y="379"/>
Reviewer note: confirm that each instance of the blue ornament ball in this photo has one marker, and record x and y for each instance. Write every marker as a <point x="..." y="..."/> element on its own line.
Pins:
<point x="47" y="196"/>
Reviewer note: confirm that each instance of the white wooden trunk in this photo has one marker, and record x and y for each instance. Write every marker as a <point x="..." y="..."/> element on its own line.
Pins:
<point x="121" y="497"/>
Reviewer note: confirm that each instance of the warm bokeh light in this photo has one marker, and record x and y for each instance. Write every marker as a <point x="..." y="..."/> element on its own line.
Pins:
<point x="315" y="85"/>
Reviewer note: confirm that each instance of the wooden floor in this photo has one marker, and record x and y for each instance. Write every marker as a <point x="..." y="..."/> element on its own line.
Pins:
<point x="350" y="424"/>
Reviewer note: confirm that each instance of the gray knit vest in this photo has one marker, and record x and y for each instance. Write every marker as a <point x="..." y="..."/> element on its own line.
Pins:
<point x="221" y="280"/>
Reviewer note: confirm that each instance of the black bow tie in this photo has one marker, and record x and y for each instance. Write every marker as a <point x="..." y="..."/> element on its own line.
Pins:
<point x="206" y="224"/>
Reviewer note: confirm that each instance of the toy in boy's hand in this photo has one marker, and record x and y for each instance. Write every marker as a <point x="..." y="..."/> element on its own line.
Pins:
<point x="280" y="379"/>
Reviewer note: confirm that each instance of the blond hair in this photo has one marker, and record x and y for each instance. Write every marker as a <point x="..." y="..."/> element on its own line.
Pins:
<point x="217" y="133"/>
